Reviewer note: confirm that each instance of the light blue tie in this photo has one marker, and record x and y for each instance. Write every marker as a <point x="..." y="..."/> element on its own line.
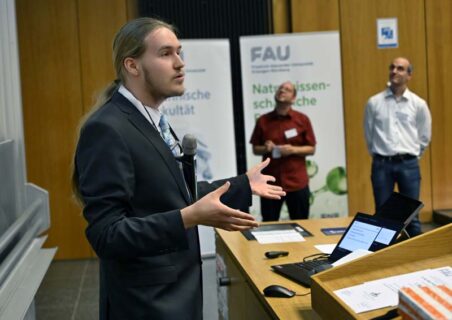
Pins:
<point x="166" y="134"/>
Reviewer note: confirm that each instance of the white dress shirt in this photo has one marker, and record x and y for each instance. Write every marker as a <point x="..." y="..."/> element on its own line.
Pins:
<point x="153" y="113"/>
<point x="400" y="125"/>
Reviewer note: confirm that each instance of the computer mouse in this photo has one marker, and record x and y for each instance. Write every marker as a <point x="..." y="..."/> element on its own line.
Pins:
<point x="278" y="291"/>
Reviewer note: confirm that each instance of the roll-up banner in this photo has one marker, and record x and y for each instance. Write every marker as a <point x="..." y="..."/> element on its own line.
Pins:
<point x="206" y="111"/>
<point x="311" y="61"/>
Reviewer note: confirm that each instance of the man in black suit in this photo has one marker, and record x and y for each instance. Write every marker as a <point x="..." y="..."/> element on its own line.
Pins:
<point x="141" y="221"/>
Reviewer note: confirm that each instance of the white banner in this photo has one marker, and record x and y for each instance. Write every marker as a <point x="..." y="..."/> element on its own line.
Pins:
<point x="206" y="111"/>
<point x="312" y="62"/>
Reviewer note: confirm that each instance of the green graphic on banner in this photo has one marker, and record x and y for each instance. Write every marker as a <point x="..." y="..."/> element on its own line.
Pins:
<point x="336" y="180"/>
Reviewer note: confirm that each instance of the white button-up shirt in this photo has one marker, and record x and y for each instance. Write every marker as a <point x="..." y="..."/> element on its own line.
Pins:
<point x="397" y="125"/>
<point x="152" y="113"/>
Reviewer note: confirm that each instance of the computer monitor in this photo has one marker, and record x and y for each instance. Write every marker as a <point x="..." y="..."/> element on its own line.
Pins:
<point x="367" y="232"/>
<point x="400" y="208"/>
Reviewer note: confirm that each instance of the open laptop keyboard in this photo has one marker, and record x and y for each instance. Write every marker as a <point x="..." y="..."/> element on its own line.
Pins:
<point x="301" y="272"/>
<point x="312" y="265"/>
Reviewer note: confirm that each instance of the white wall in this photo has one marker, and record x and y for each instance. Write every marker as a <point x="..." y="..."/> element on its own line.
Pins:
<point x="11" y="121"/>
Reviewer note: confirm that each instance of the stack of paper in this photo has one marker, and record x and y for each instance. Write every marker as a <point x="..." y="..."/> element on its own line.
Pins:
<point x="426" y="302"/>
<point x="383" y="293"/>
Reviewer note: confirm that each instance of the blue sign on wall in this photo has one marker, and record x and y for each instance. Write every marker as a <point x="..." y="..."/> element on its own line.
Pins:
<point x="387" y="33"/>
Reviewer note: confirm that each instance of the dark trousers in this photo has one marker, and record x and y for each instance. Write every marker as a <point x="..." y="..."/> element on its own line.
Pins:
<point x="386" y="173"/>
<point x="297" y="204"/>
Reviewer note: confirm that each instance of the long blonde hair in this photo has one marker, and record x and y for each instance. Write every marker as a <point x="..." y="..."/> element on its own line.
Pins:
<point x="128" y="42"/>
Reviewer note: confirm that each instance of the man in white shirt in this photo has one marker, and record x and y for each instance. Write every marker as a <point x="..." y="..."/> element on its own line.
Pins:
<point x="397" y="125"/>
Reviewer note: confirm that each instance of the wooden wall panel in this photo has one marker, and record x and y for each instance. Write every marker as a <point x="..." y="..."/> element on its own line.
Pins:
<point x="365" y="72"/>
<point x="51" y="96"/>
<point x="315" y="15"/>
<point x="439" y="53"/>
<point x="98" y="23"/>
<point x="281" y="16"/>
<point x="132" y="9"/>
<point x="65" y="52"/>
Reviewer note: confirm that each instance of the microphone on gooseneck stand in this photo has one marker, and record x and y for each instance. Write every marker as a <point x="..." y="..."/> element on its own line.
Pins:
<point x="189" y="146"/>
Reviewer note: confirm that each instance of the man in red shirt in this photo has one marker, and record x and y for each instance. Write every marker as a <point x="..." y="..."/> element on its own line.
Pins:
<point x="286" y="136"/>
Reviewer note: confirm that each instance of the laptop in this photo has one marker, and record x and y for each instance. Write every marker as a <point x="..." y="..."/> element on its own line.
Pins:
<point x="399" y="207"/>
<point x="366" y="232"/>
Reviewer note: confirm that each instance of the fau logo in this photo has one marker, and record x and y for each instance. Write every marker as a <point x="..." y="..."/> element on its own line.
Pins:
<point x="270" y="53"/>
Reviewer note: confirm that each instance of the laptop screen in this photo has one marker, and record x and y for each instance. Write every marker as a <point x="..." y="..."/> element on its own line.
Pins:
<point x="366" y="232"/>
<point x="399" y="207"/>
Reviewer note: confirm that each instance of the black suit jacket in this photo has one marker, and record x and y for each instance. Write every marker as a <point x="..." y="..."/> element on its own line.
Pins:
<point x="133" y="190"/>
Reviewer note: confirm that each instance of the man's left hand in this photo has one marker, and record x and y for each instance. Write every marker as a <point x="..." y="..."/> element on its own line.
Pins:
<point x="259" y="182"/>
<point x="286" y="150"/>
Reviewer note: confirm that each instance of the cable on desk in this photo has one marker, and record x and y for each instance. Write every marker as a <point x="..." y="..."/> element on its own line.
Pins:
<point x="316" y="257"/>
<point x="303" y="294"/>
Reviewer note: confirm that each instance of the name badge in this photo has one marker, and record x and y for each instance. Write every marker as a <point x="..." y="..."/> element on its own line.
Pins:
<point x="290" y="133"/>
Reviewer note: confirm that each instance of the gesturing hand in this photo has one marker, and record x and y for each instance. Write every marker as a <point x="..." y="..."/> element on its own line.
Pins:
<point x="209" y="211"/>
<point x="259" y="182"/>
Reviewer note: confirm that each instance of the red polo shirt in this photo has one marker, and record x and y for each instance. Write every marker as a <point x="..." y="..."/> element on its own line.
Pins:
<point x="290" y="172"/>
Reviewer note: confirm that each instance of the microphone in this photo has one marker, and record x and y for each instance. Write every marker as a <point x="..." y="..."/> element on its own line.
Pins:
<point x="189" y="145"/>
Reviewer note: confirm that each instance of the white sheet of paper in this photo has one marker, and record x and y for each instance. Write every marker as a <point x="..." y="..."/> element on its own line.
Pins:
<point x="384" y="292"/>
<point x="358" y="253"/>
<point x="326" y="248"/>
<point x="427" y="277"/>
<point x="442" y="275"/>
<point x="365" y="297"/>
<point x="277" y="236"/>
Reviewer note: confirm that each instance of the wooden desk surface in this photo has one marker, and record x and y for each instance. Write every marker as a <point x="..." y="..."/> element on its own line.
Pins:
<point x="250" y="259"/>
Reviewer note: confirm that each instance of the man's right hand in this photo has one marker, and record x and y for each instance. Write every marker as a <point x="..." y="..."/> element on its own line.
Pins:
<point x="269" y="145"/>
<point x="209" y="211"/>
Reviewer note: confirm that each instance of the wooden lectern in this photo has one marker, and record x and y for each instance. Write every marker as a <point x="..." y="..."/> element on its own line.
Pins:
<point x="430" y="250"/>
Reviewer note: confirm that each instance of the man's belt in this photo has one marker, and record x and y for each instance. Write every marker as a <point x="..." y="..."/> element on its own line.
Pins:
<point x="396" y="157"/>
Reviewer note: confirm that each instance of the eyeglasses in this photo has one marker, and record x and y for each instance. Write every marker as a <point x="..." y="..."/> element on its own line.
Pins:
<point x="285" y="89"/>
<point x="398" y="67"/>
